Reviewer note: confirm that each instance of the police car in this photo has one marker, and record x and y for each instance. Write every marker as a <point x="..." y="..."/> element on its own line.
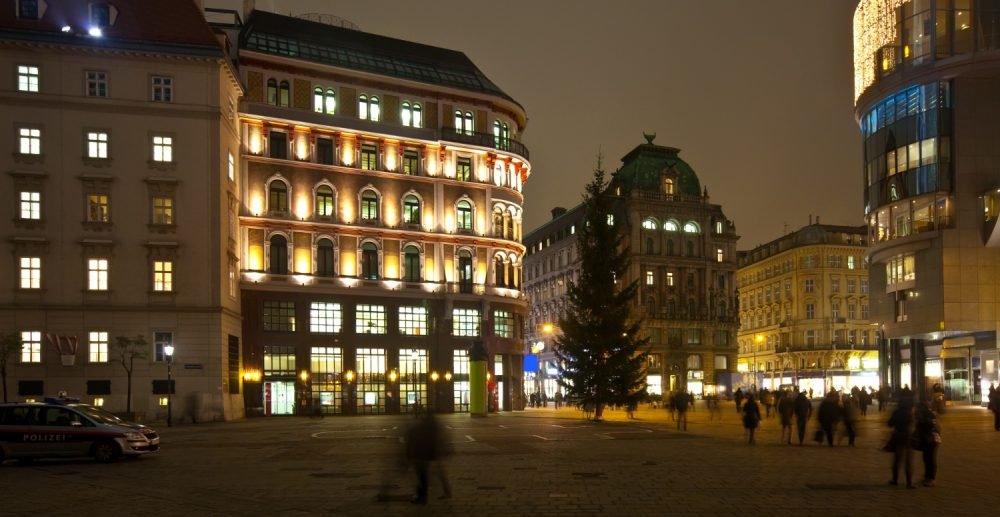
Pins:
<point x="65" y="428"/>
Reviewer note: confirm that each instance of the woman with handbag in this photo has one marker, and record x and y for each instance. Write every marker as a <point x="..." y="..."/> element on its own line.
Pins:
<point x="928" y="435"/>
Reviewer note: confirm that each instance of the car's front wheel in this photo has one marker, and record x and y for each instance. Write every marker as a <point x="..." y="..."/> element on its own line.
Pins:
<point x="106" y="451"/>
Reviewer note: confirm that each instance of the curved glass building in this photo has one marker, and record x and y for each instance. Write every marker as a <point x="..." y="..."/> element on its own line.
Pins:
<point x="926" y="73"/>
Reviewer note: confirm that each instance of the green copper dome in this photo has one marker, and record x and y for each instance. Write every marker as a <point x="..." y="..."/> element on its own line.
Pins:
<point x="641" y="168"/>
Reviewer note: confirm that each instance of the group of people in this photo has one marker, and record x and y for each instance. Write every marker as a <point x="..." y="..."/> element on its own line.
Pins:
<point x="914" y="427"/>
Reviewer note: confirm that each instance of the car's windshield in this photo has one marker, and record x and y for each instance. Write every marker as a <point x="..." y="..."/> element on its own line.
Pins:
<point x="98" y="414"/>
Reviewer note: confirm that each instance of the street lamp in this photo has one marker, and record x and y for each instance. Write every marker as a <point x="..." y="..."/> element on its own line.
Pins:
<point x="168" y="352"/>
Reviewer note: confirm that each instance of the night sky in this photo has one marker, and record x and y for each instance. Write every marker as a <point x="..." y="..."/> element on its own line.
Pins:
<point x="756" y="94"/>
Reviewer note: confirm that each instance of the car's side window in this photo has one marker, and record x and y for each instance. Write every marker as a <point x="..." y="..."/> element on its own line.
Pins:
<point x="60" y="417"/>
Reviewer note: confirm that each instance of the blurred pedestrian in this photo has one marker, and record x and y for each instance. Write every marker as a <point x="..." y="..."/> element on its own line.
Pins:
<point x="738" y="397"/>
<point x="559" y="399"/>
<point x="751" y="417"/>
<point x="803" y="410"/>
<point x="681" y="404"/>
<point x="883" y="397"/>
<point x="850" y="411"/>
<point x="828" y="414"/>
<point x="928" y="437"/>
<point x="901" y="423"/>
<point x="786" y="409"/>
<point x="426" y="446"/>
<point x="995" y="406"/>
<point x="937" y="397"/>
<point x="767" y="398"/>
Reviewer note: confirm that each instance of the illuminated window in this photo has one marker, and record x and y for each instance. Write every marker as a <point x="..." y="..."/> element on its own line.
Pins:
<point x="279" y="316"/>
<point x="898" y="270"/>
<point x="97" y="84"/>
<point x="29" y="140"/>
<point x="719" y="255"/>
<point x="411" y="163"/>
<point x="163" y="210"/>
<point x="31" y="347"/>
<point x="31" y="272"/>
<point x="368" y="108"/>
<point x="163" y="276"/>
<point x="369" y="157"/>
<point x="325" y="318"/>
<point x="668" y="186"/>
<point x="284" y="93"/>
<point x="98" y="208"/>
<point x="649" y="224"/>
<point x="718" y="227"/>
<point x="411" y="209"/>
<point x="671" y="226"/>
<point x="369" y="206"/>
<point x="98" y="343"/>
<point x="691" y="227"/>
<point x="463" y="215"/>
<point x="97" y="274"/>
<point x="27" y="78"/>
<point x="465" y="322"/>
<point x="163" y="148"/>
<point x="413" y="321"/>
<point x="31" y="205"/>
<point x="369" y="319"/>
<point x="463" y="169"/>
<point x="324" y="101"/>
<point x="503" y="324"/>
<point x="97" y="144"/>
<point x="611" y="219"/>
<point x="162" y="89"/>
<point x="164" y="401"/>
<point x="463" y="122"/>
<point x="232" y="167"/>
<point x="272" y="92"/>
<point x="670" y="279"/>
<point x="411" y="114"/>
<point x="650" y="278"/>
<point x="324" y="201"/>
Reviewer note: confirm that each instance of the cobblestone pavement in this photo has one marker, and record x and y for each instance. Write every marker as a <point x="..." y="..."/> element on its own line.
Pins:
<point x="538" y="462"/>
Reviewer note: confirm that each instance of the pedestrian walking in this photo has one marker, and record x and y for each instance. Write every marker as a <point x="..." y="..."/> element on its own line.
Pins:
<point x="995" y="406"/>
<point x="681" y="402"/>
<point x="751" y="417"/>
<point x="767" y="398"/>
<point x="426" y="446"/>
<point x="803" y="410"/>
<point x="883" y="397"/>
<point x="928" y="438"/>
<point x="786" y="410"/>
<point x="829" y="414"/>
<point x="900" y="441"/>
<point x="850" y="413"/>
<point x="559" y="399"/>
<point x="738" y="397"/>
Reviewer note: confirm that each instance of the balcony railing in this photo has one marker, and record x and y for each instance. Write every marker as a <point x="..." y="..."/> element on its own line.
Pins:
<point x="451" y="134"/>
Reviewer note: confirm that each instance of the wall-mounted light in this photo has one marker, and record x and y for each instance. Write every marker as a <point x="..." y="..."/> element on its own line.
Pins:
<point x="349" y="376"/>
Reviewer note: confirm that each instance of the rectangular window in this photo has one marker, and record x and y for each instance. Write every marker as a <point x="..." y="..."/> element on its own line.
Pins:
<point x="719" y="255"/>
<point x="163" y="89"/>
<point x="463" y="169"/>
<point x="864" y="286"/>
<point x="835" y="285"/>
<point x="810" y="285"/>
<point x="650" y="279"/>
<point x="234" y="365"/>
<point x="411" y="163"/>
<point x="810" y="338"/>
<point x="163" y="210"/>
<point x="369" y="319"/>
<point x="503" y="324"/>
<point x="327" y="365"/>
<point x="900" y="270"/>
<point x="163" y="276"/>
<point x="27" y="78"/>
<point x="851" y="262"/>
<point x="97" y="274"/>
<point x="29" y="140"/>
<point x="279" y="316"/>
<point x="325" y="318"/>
<point x="31" y="347"/>
<point x="232" y="167"/>
<point x="163" y="148"/>
<point x="460" y="380"/>
<point x="31" y="205"/>
<point x="810" y="311"/>
<point x="413" y="321"/>
<point x="412" y="378"/>
<point x="277" y="144"/>
<point x="864" y="311"/>
<point x="324" y="151"/>
<point x="98" y="346"/>
<point x="368" y="157"/>
<point x="98" y="208"/>
<point x="97" y="84"/>
<point x="835" y="310"/>
<point x="670" y="279"/>
<point x="27" y="9"/>
<point x="161" y="340"/>
<point x="97" y="144"/>
<point x="852" y="312"/>
<point x="852" y="285"/>
<point x="31" y="272"/>
<point x="465" y="322"/>
<point x="279" y="361"/>
<point x="370" y="380"/>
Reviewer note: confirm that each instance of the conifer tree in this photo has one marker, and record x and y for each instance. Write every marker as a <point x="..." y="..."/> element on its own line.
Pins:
<point x="599" y="351"/>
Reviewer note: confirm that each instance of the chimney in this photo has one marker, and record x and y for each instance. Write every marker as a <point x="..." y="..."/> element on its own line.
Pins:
<point x="558" y="212"/>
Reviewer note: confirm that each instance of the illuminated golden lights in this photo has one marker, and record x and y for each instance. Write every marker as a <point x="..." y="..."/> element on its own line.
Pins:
<point x="349" y="376"/>
<point x="347" y="153"/>
<point x="255" y="260"/>
<point x="256" y="204"/>
<point x="251" y="375"/>
<point x="548" y="328"/>
<point x="304" y="376"/>
<point x="254" y="139"/>
<point x="302" y="207"/>
<point x="347" y="262"/>
<point x="435" y="376"/>
<point x="393" y="376"/>
<point x="447" y="376"/>
<point x="875" y="26"/>
<point x="302" y="146"/>
<point x="303" y="260"/>
<point x="391" y="160"/>
<point x="432" y="162"/>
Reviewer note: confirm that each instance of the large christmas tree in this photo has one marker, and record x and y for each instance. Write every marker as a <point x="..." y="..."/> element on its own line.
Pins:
<point x="600" y="354"/>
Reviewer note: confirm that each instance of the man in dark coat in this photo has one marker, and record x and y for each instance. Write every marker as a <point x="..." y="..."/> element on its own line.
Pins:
<point x="738" y="397"/>
<point x="901" y="423"/>
<point x="426" y="445"/>
<point x="829" y="414"/>
<point x="803" y="410"/>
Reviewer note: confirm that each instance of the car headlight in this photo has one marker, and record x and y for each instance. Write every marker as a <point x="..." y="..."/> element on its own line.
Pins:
<point x="135" y="437"/>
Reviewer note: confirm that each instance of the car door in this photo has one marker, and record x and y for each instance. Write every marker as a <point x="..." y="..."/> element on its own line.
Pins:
<point x="61" y="436"/>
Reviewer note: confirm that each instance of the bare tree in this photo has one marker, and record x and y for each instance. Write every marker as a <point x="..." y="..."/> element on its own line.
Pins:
<point x="130" y="349"/>
<point x="10" y="344"/>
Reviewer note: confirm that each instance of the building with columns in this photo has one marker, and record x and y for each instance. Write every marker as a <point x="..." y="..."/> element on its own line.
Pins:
<point x="804" y="312"/>
<point x="682" y="251"/>
<point x="380" y="221"/>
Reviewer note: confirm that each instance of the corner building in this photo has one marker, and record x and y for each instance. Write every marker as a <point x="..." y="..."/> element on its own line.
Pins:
<point x="682" y="251"/>
<point x="926" y="76"/>
<point x="381" y="222"/>
<point x="804" y="312"/>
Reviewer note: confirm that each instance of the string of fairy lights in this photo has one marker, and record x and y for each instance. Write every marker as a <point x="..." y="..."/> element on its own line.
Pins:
<point x="875" y="26"/>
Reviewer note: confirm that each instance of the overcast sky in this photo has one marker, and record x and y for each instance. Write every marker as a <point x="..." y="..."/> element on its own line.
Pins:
<point x="756" y="94"/>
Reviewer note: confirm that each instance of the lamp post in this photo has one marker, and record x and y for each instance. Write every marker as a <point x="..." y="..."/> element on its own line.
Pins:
<point x="759" y="339"/>
<point x="168" y="352"/>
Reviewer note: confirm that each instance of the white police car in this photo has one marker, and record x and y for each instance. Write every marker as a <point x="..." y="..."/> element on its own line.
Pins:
<point x="66" y="428"/>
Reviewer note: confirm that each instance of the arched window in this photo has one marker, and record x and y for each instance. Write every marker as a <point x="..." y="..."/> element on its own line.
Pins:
<point x="463" y="216"/>
<point x="369" y="261"/>
<point x="318" y="99"/>
<point x="324" y="201"/>
<point x="272" y="92"/>
<point x="649" y="224"/>
<point x="496" y="133"/>
<point x="691" y="227"/>
<point x="499" y="272"/>
<point x="465" y="271"/>
<point x="463" y="122"/>
<point x="369" y="206"/>
<point x="498" y="222"/>
<point x="277" y="196"/>
<point x="330" y="102"/>
<point x="279" y="255"/>
<point x="363" y="107"/>
<point x="694" y="362"/>
<point x="368" y="108"/>
<point x="412" y="115"/>
<point x="509" y="232"/>
<point x="284" y="93"/>
<point x="671" y="226"/>
<point x="411" y="209"/>
<point x="324" y="258"/>
<point x="405" y="113"/>
<point x="411" y="264"/>
<point x="510" y="274"/>
<point x="668" y="186"/>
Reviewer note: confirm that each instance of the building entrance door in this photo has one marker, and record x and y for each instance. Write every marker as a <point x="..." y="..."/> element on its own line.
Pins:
<point x="279" y="398"/>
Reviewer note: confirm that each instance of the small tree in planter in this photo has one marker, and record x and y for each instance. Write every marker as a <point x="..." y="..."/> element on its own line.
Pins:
<point x="130" y="349"/>
<point x="10" y="345"/>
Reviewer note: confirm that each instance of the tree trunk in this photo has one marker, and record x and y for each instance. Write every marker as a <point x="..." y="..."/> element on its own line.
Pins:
<point x="3" y="377"/>
<point x="128" y="396"/>
<point x="599" y="412"/>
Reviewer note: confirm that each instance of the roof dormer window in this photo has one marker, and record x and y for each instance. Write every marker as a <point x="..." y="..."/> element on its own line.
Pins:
<point x="100" y="16"/>
<point x="30" y="9"/>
